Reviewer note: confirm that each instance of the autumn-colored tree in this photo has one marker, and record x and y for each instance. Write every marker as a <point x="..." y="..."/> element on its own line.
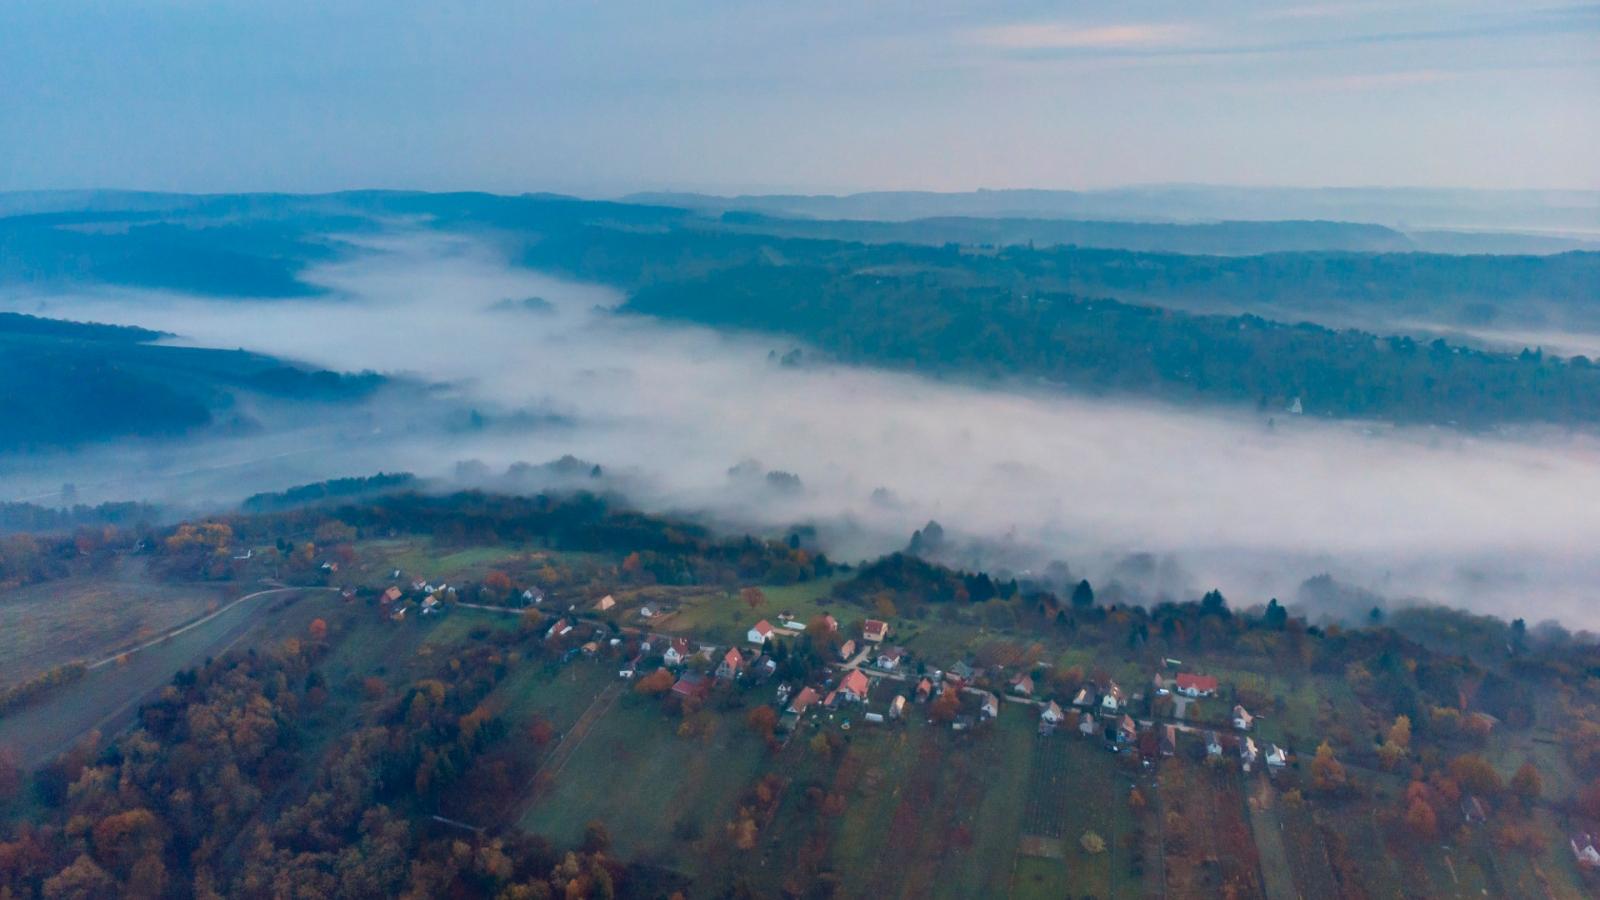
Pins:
<point x="540" y="731"/>
<point x="1136" y="800"/>
<point x="763" y="720"/>
<point x="10" y="773"/>
<point x="1476" y="775"/>
<point x="1397" y="743"/>
<point x="497" y="585"/>
<point x="656" y="683"/>
<point x="1091" y="842"/>
<point x="596" y="837"/>
<point x="753" y="597"/>
<point x="945" y="708"/>
<point x="318" y="629"/>
<point x="1421" y="819"/>
<point x="1327" y="773"/>
<point x="1527" y="784"/>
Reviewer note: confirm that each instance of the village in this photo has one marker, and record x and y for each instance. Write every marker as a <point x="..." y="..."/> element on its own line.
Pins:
<point x="752" y="714"/>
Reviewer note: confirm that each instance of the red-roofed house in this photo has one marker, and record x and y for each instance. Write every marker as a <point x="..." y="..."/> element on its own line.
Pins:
<point x="803" y="700"/>
<point x="676" y="652"/>
<point x="854" y="686"/>
<point x="874" y="631"/>
<point x="1197" y="685"/>
<point x="760" y="633"/>
<point x="732" y="663"/>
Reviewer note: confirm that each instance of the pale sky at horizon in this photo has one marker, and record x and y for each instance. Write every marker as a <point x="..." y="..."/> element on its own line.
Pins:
<point x="605" y="98"/>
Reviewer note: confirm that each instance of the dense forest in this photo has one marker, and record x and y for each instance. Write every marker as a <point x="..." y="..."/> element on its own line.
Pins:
<point x="67" y="383"/>
<point x="920" y="321"/>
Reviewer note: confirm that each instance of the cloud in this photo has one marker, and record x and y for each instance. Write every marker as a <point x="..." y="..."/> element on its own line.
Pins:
<point x="1017" y="478"/>
<point x="1065" y="36"/>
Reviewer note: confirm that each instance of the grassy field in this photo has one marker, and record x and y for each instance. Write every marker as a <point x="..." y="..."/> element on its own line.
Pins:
<point x="87" y="618"/>
<point x="722" y="616"/>
<point x="656" y="791"/>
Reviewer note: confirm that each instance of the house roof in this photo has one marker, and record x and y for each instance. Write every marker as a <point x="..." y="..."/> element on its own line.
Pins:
<point x="875" y="627"/>
<point x="733" y="658"/>
<point x="1197" y="682"/>
<point x="893" y="653"/>
<point x="763" y="628"/>
<point x="1052" y="711"/>
<point x="1023" y="682"/>
<point x="805" y="698"/>
<point x="856" y="683"/>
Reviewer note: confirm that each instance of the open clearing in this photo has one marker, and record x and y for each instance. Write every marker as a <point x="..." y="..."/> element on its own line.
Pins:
<point x="84" y="618"/>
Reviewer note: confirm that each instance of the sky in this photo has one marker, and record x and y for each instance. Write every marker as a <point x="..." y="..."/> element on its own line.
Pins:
<point x="601" y="98"/>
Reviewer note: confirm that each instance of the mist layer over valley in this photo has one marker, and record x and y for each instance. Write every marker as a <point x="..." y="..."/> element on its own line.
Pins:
<point x="526" y="367"/>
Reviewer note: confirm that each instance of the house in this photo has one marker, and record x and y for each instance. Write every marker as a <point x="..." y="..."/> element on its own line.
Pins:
<point x="1083" y="698"/>
<point x="829" y="622"/>
<point x="924" y="690"/>
<point x="1247" y="753"/>
<point x="1159" y="685"/>
<point x="854" y="687"/>
<point x="330" y="566"/>
<point x="764" y="667"/>
<point x="533" y="595"/>
<point x="1584" y="850"/>
<point x="898" y="707"/>
<point x="847" y="650"/>
<point x="1086" y="724"/>
<point x="874" y="717"/>
<point x="420" y="585"/>
<point x="732" y="663"/>
<point x="590" y="648"/>
<point x="1127" y="730"/>
<point x="647" y="612"/>
<point x="1213" y="744"/>
<point x="890" y="658"/>
<point x="1050" y="717"/>
<point x="1472" y="810"/>
<point x="558" y="628"/>
<point x="874" y="631"/>
<point x="1197" y="685"/>
<point x="676" y="652"/>
<point x="1169" y="740"/>
<point x="960" y="672"/>
<point x="759" y="633"/>
<point x="399" y="613"/>
<point x="791" y="624"/>
<point x="1112" y="701"/>
<point x="1277" y="758"/>
<point x="604" y="604"/>
<point x="430" y="606"/>
<point x="803" y="700"/>
<point x="962" y="723"/>
<point x="691" y="684"/>
<point x="629" y="668"/>
<point x="1242" y="718"/>
<point x="390" y="596"/>
<point x="1022" y="684"/>
<point x="989" y="707"/>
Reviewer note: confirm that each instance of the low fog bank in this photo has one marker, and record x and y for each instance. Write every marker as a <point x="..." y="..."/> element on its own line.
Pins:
<point x="1165" y="502"/>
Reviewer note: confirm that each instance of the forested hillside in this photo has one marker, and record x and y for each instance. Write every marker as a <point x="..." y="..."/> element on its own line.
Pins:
<point x="921" y="321"/>
<point x="67" y="383"/>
